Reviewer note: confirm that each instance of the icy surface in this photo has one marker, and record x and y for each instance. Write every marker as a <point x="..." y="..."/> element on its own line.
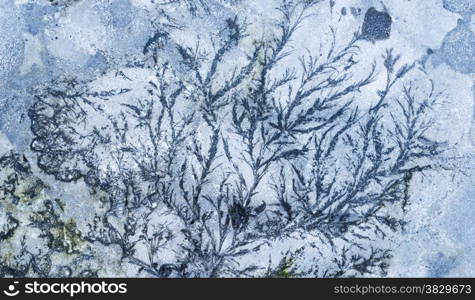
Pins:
<point x="237" y="138"/>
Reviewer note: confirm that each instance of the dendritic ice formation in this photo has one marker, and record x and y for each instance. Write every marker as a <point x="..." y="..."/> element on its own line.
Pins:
<point x="220" y="138"/>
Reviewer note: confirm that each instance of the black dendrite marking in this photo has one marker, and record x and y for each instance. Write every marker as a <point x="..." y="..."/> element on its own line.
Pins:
<point x="203" y="151"/>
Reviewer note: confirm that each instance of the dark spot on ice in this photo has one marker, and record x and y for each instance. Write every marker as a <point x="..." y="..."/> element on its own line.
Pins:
<point x="376" y="25"/>
<point x="462" y="7"/>
<point x="441" y="265"/>
<point x="355" y="11"/>
<point x="343" y="11"/>
<point x="458" y="49"/>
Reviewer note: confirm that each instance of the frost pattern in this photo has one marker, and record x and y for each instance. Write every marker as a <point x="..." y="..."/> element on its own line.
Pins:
<point x="212" y="159"/>
<point x="236" y="138"/>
